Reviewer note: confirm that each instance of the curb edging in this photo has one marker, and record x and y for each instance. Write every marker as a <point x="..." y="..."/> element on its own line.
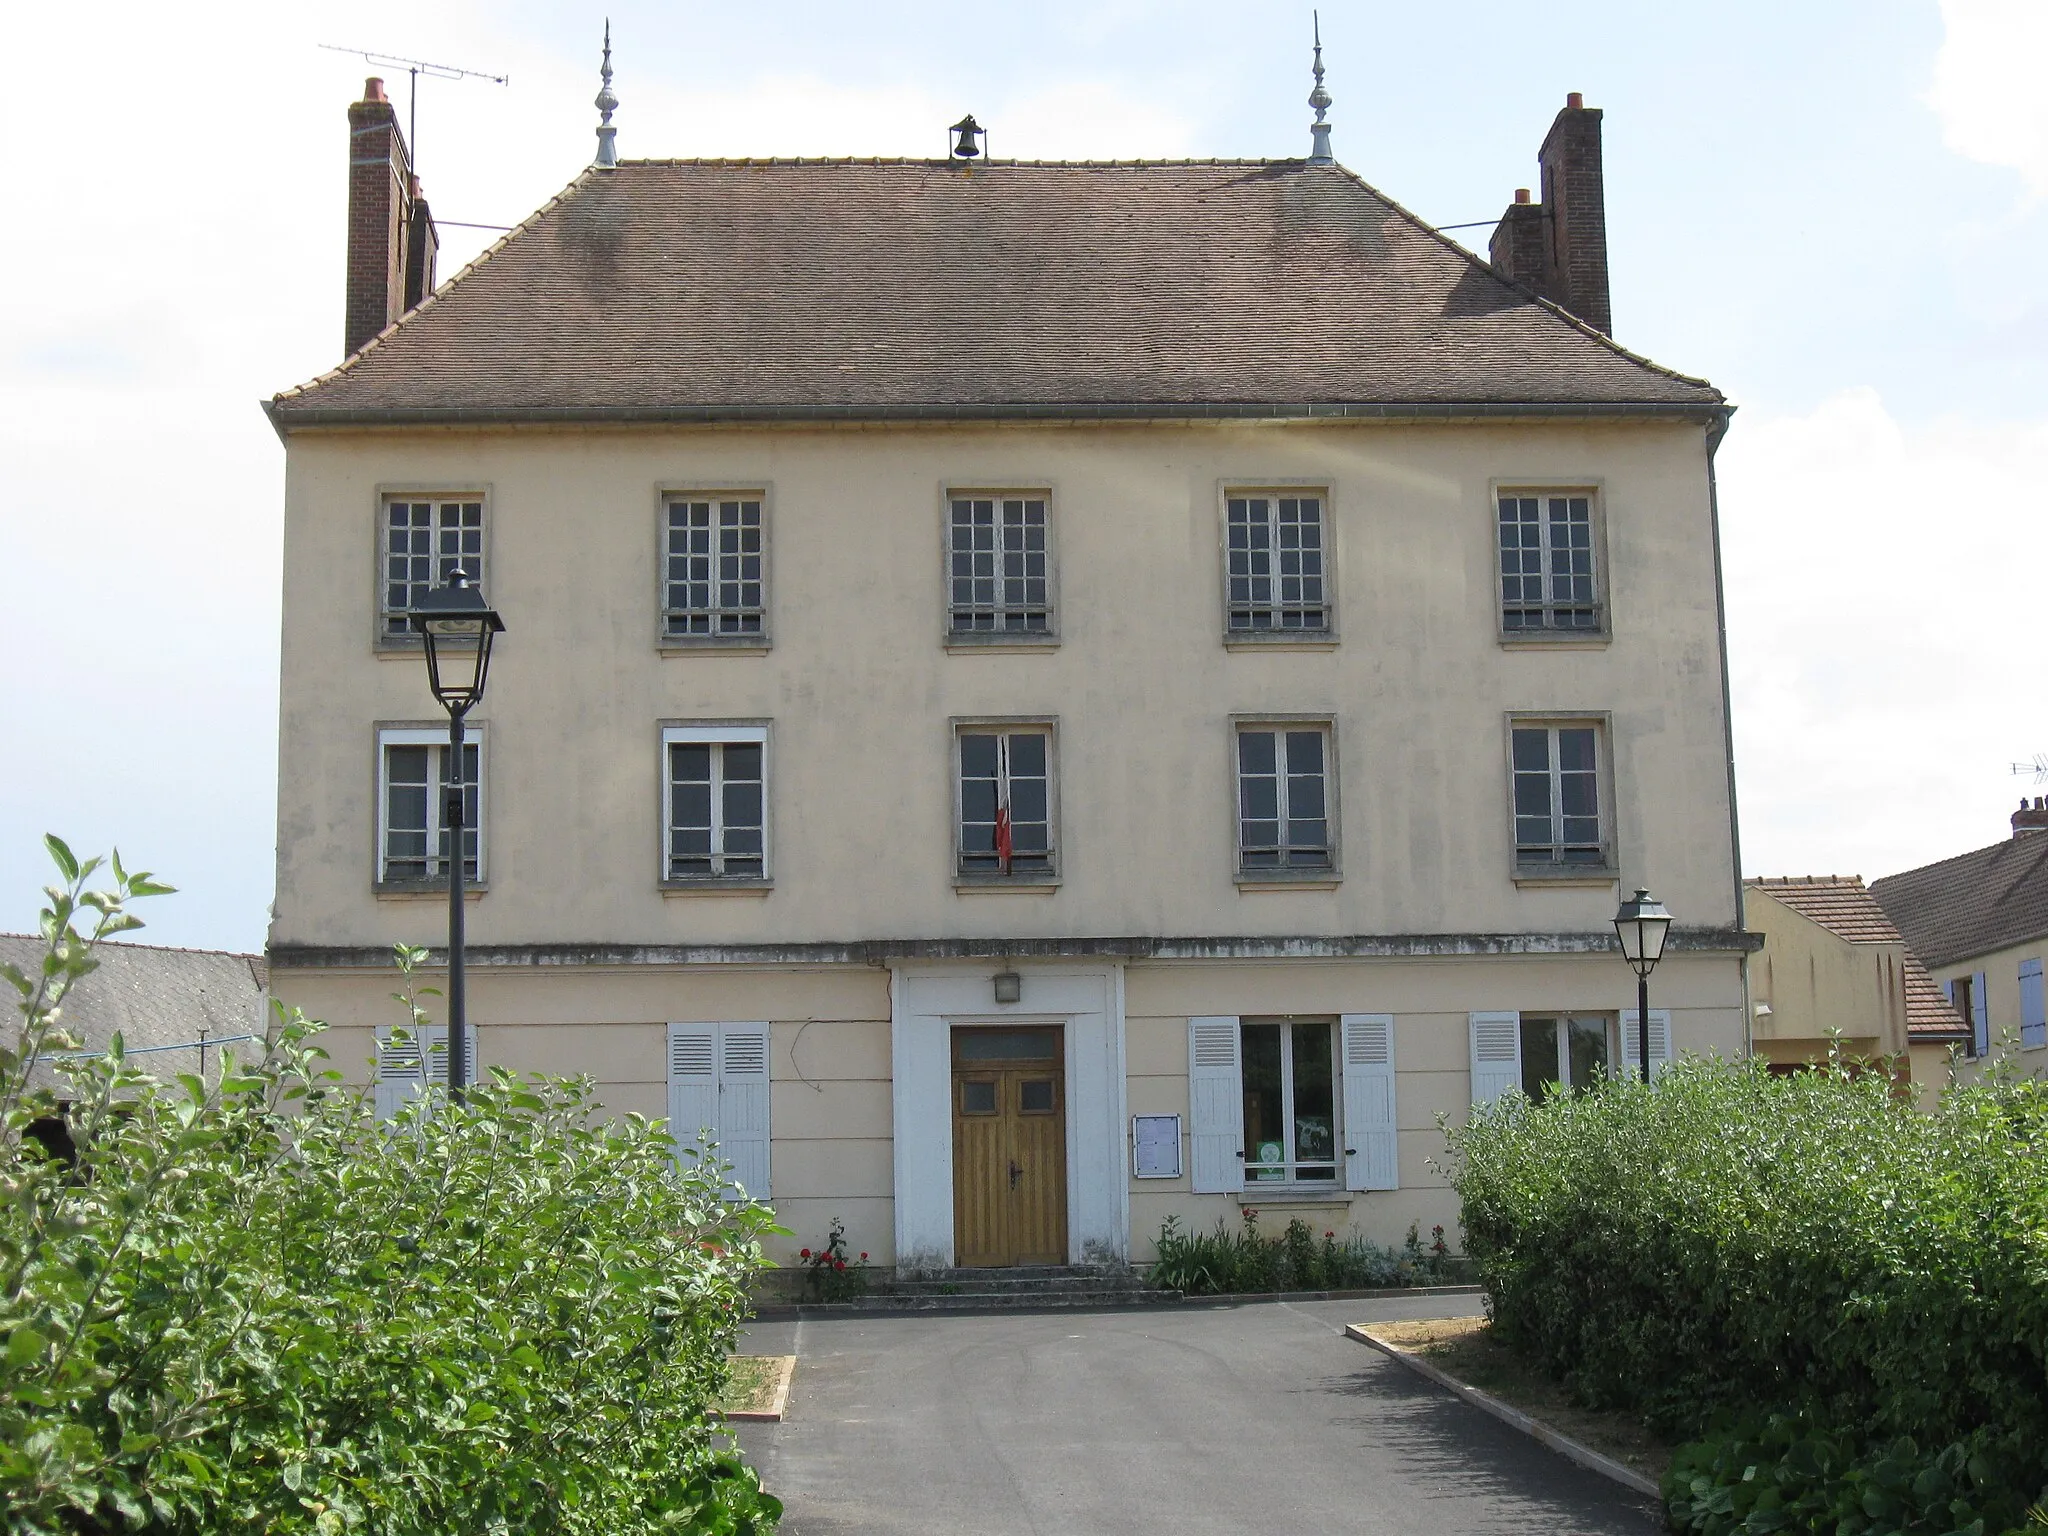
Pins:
<point x="773" y="1413"/>
<point x="1513" y="1417"/>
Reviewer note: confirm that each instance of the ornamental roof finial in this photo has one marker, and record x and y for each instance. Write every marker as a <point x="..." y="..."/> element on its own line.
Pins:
<point x="607" y="104"/>
<point x="1319" y="142"/>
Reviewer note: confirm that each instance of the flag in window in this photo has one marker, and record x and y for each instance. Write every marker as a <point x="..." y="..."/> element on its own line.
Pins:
<point x="1005" y="842"/>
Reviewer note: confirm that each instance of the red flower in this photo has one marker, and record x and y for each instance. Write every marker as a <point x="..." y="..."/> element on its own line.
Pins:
<point x="805" y="1254"/>
<point x="1329" y="1234"/>
<point x="839" y="1263"/>
<point x="863" y="1255"/>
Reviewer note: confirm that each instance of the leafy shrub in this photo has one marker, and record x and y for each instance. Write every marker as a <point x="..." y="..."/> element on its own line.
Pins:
<point x="1728" y="1243"/>
<point x="257" y="1308"/>
<point x="1780" y="1472"/>
<point x="1226" y="1263"/>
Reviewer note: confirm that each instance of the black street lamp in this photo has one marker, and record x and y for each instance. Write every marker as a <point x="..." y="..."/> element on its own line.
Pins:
<point x="1641" y="925"/>
<point x="456" y="627"/>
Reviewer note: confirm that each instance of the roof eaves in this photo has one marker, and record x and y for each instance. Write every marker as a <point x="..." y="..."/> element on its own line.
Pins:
<point x="1444" y="411"/>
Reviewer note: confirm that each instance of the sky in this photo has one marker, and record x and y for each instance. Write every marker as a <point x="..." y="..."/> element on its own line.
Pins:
<point x="1833" y="209"/>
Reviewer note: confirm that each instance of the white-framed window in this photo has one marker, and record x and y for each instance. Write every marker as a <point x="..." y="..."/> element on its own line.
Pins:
<point x="2033" y="1006"/>
<point x="425" y="539"/>
<point x="1966" y="994"/>
<point x="1284" y="816"/>
<point x="998" y="564"/>
<point x="413" y="805"/>
<point x="715" y="795"/>
<point x="1003" y="820"/>
<point x="1275" y="576"/>
<point x="1539" y="1052"/>
<point x="1559" y="823"/>
<point x="1292" y="1101"/>
<point x="1549" y="578"/>
<point x="714" y="567"/>
<point x="718" y="1098"/>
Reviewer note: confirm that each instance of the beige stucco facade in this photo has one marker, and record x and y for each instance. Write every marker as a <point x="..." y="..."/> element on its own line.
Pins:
<point x="1997" y="972"/>
<point x="1809" y="986"/>
<point x="582" y="958"/>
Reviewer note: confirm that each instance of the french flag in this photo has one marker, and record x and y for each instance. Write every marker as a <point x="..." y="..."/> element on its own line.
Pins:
<point x="1005" y="844"/>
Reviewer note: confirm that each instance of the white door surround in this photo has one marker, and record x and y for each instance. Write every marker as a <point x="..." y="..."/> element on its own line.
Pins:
<point x="925" y="1004"/>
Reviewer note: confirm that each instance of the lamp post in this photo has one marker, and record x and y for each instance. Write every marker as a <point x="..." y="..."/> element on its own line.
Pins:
<point x="456" y="627"/>
<point x="1641" y="925"/>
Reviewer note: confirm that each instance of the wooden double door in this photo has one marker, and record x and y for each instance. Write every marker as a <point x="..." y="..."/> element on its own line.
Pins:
<point x="1009" y="1145"/>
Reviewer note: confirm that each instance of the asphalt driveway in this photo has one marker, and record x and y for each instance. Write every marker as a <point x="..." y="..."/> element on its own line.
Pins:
<point x="1259" y="1418"/>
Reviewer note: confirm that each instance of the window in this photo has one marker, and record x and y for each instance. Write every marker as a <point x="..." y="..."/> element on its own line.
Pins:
<point x="1292" y="1101"/>
<point x="718" y="1099"/>
<point x="1557" y="797"/>
<point x="1005" y="822"/>
<point x="996" y="564"/>
<point x="413" y="804"/>
<point x="2033" y="1007"/>
<point x="1967" y="995"/>
<point x="714" y="579"/>
<point x="414" y="1062"/>
<point x="424" y="540"/>
<point x="1283" y="817"/>
<point x="1564" y="1050"/>
<point x="717" y="803"/>
<point x="1274" y="575"/>
<point x="1547" y="579"/>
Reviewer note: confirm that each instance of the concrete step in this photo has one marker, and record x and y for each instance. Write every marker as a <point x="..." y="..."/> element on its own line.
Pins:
<point x="1002" y="1282"/>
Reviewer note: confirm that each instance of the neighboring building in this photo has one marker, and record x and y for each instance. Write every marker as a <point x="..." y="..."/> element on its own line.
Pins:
<point x="1980" y="921"/>
<point x="1037" y="697"/>
<point x="175" y="1010"/>
<point x="1834" y="969"/>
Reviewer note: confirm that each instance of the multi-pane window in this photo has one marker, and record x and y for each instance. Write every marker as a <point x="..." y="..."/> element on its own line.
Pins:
<point x="1547" y="581"/>
<point x="996" y="560"/>
<point x="1557" y="796"/>
<point x="1289" y="1070"/>
<point x="413" y="802"/>
<point x="1283" y="816"/>
<point x="425" y="540"/>
<point x="717" y="802"/>
<point x="1275" y="551"/>
<point x="1564" y="1050"/>
<point x="713" y="581"/>
<point x="1006" y="801"/>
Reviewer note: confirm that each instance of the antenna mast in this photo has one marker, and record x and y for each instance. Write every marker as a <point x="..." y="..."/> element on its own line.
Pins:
<point x="415" y="68"/>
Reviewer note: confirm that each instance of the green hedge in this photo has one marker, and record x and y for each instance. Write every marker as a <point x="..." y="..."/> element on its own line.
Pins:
<point x="254" y="1307"/>
<point x="1729" y="1244"/>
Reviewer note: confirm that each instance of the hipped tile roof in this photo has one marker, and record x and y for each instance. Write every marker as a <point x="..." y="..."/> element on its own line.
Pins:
<point x="706" y="289"/>
<point x="1974" y="903"/>
<point x="1844" y="906"/>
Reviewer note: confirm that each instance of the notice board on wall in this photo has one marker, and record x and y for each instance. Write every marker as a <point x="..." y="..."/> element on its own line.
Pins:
<point x="1155" y="1146"/>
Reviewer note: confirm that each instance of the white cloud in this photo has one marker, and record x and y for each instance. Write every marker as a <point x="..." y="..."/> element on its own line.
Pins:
<point x="1988" y="87"/>
<point x="1885" y="633"/>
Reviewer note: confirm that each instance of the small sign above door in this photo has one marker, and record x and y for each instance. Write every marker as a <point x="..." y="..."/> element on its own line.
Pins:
<point x="1155" y="1146"/>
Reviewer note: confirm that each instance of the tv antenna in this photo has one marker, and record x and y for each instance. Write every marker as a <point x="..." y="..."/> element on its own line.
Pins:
<point x="415" y="68"/>
<point x="2038" y="767"/>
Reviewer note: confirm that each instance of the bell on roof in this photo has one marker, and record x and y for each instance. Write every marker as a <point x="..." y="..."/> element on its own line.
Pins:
<point x="1319" y="131"/>
<point x="965" y="134"/>
<point x="607" y="104"/>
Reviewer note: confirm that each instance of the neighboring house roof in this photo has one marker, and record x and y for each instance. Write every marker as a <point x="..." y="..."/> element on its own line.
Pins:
<point x="1844" y="906"/>
<point x="1974" y="903"/>
<point x="728" y="289"/>
<point x="158" y="997"/>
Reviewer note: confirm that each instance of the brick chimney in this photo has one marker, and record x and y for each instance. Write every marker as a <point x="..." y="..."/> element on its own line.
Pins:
<point x="391" y="238"/>
<point x="2030" y="818"/>
<point x="1558" y="247"/>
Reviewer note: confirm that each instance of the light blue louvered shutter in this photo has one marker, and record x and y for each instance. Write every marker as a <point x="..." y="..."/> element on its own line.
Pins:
<point x="2033" y="1006"/>
<point x="400" y="1075"/>
<point x="1371" y="1145"/>
<point x="692" y="1085"/>
<point x="1980" y="1015"/>
<point x="1496" y="1055"/>
<point x="1660" y="1043"/>
<point x="743" y="1101"/>
<point x="1215" y="1105"/>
